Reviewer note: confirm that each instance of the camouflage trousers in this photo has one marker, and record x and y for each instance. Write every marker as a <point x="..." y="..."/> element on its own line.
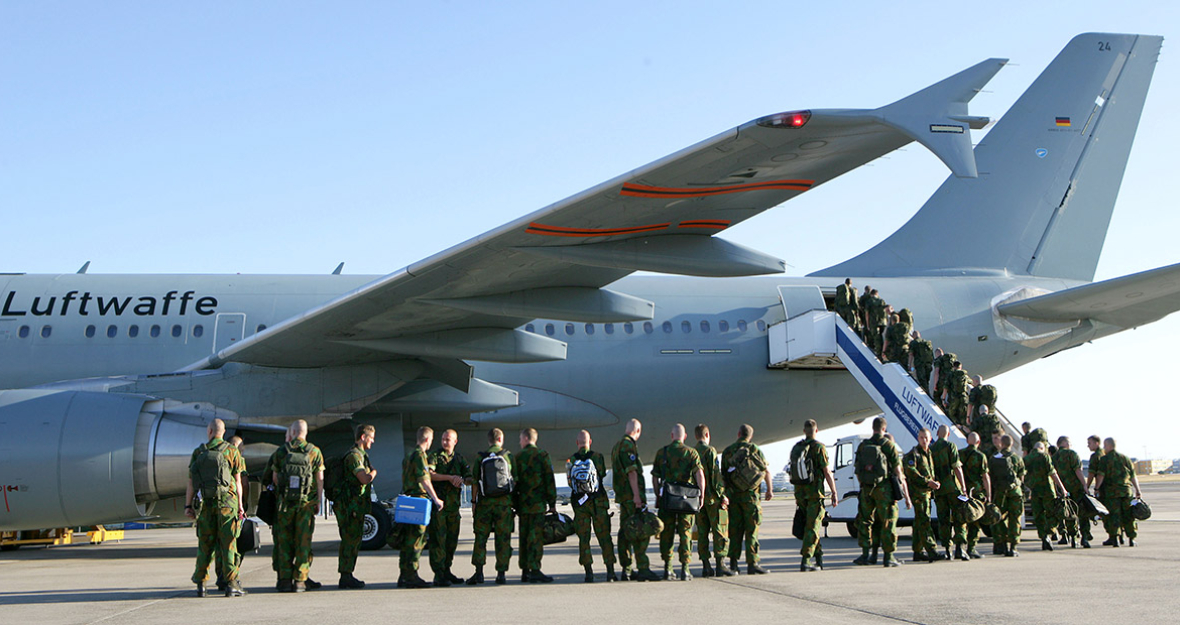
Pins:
<point x="899" y="354"/>
<point x="745" y="515"/>
<point x="923" y="532"/>
<point x="922" y="374"/>
<point x="294" y="525"/>
<point x="631" y="550"/>
<point x="713" y="519"/>
<point x="594" y="514"/>
<point x="350" y="522"/>
<point x="1011" y="505"/>
<point x="1043" y="518"/>
<point x="973" y="530"/>
<point x="217" y="533"/>
<point x="813" y="523"/>
<point x="1069" y="528"/>
<point x="878" y="518"/>
<point x="957" y="409"/>
<point x="531" y="541"/>
<point x="494" y="517"/>
<point x="411" y="539"/>
<point x="951" y="528"/>
<point x="849" y="317"/>
<point x="676" y="525"/>
<point x="443" y="537"/>
<point x="1108" y="524"/>
<point x="1120" y="517"/>
<point x="1084" y="521"/>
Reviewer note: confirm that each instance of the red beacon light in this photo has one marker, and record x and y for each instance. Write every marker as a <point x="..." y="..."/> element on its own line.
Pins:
<point x="793" y="119"/>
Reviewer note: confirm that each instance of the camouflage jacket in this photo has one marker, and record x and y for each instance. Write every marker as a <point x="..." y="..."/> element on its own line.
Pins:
<point x="985" y="395"/>
<point x="1028" y="441"/>
<point x="1039" y="474"/>
<point x="943" y="365"/>
<point x="1067" y="463"/>
<point x="819" y="460"/>
<point x="923" y="352"/>
<point x="599" y="466"/>
<point x="237" y="466"/>
<point x="957" y="383"/>
<point x="1004" y="464"/>
<point x="1092" y="471"/>
<point x="356" y="459"/>
<point x="534" y="488"/>
<point x="919" y="468"/>
<point x="624" y="459"/>
<point x="974" y="470"/>
<point x="415" y="470"/>
<point x="946" y="458"/>
<point x="450" y="464"/>
<point x="1116" y="471"/>
<point x="711" y="463"/>
<point x="677" y="462"/>
<point x="876" y="310"/>
<point x="898" y="335"/>
<point x="730" y="487"/>
<point x="279" y="458"/>
<point x="906" y="316"/>
<point x="985" y="425"/>
<point x="845" y="297"/>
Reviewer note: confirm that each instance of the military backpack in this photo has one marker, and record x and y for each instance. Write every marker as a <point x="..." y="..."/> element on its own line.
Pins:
<point x="802" y="472"/>
<point x="495" y="476"/>
<point x="214" y="476"/>
<point x="1003" y="477"/>
<point x="296" y="478"/>
<point x="335" y="484"/>
<point x="871" y="464"/>
<point x="583" y="477"/>
<point x="744" y="468"/>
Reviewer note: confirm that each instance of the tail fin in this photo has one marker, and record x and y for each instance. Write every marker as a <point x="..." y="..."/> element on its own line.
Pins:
<point x="1049" y="173"/>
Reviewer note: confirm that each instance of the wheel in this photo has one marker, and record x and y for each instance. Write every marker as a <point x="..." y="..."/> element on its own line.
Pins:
<point x="852" y="530"/>
<point x="376" y="528"/>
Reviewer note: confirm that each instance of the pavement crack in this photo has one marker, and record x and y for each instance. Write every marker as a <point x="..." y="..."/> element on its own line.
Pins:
<point x="818" y="601"/>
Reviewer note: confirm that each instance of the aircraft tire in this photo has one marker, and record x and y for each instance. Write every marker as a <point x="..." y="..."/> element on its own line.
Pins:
<point x="376" y="528"/>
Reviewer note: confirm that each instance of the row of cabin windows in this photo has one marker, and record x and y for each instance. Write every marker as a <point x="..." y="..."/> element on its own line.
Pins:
<point x="648" y="328"/>
<point x="113" y="330"/>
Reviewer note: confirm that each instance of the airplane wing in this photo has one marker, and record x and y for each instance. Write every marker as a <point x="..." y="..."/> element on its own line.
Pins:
<point x="465" y="302"/>
<point x="1126" y="302"/>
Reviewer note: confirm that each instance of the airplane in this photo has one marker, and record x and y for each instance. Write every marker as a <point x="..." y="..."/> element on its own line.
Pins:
<point x="539" y="323"/>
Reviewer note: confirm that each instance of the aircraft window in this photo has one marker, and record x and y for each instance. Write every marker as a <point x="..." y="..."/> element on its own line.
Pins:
<point x="198" y="330"/>
<point x="46" y="331"/>
<point x="90" y="332"/>
<point x="704" y="325"/>
<point x="176" y="330"/>
<point x="761" y="325"/>
<point x="628" y="327"/>
<point x="549" y="329"/>
<point x="155" y="332"/>
<point x="667" y="326"/>
<point x="589" y="328"/>
<point x="647" y="327"/>
<point x="741" y="325"/>
<point x="569" y="329"/>
<point x="723" y="326"/>
<point x="133" y="331"/>
<point x="527" y="328"/>
<point x="23" y="332"/>
<point x="112" y="331"/>
<point x="262" y="326"/>
<point x="609" y="328"/>
<point x="685" y="327"/>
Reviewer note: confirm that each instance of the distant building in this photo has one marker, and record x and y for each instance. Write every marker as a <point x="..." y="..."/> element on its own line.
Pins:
<point x="781" y="481"/>
<point x="1151" y="467"/>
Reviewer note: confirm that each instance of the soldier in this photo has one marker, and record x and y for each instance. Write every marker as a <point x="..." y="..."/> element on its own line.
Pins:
<point x="979" y="485"/>
<point x="1096" y="453"/>
<point x="987" y="425"/>
<point x="878" y="460"/>
<point x="492" y="507"/>
<point x="1044" y="484"/>
<point x="954" y="394"/>
<point x="535" y="493"/>
<point x="1069" y="469"/>
<point x="743" y="463"/>
<point x="897" y="341"/>
<point x="1007" y="474"/>
<point x="862" y="308"/>
<point x="352" y="503"/>
<point x="940" y="373"/>
<point x="1116" y="478"/>
<point x="1031" y="437"/>
<point x="631" y="495"/>
<point x="948" y="470"/>
<point x="878" y="317"/>
<point x="921" y="359"/>
<point x="809" y="473"/>
<point x="215" y="470"/>
<point x="982" y="396"/>
<point x="297" y="470"/>
<point x="845" y="304"/>
<point x="713" y="516"/>
<point x="677" y="463"/>
<point x="416" y="483"/>
<point x="919" y="475"/>
<point x="585" y="471"/>
<point x="451" y="471"/>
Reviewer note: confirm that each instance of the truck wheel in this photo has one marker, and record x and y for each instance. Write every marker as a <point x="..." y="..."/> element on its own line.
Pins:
<point x="376" y="528"/>
<point x="852" y="531"/>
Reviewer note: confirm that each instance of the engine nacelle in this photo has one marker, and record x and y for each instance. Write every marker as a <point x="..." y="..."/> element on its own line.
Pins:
<point x="79" y="458"/>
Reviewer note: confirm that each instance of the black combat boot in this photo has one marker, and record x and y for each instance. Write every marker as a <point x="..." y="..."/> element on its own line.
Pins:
<point x="285" y="585"/>
<point x="685" y="575"/>
<point x="348" y="582"/>
<point x="200" y="589"/>
<point x="959" y="555"/>
<point x="919" y="557"/>
<point x="1064" y="540"/>
<point x="733" y="566"/>
<point x="890" y="561"/>
<point x="524" y="577"/>
<point x="501" y="578"/>
<point x="999" y="549"/>
<point x="1011" y="552"/>
<point x="220" y="584"/>
<point x="667" y="571"/>
<point x="754" y="569"/>
<point x="1085" y="543"/>
<point x="946" y="553"/>
<point x="537" y="577"/>
<point x="863" y="560"/>
<point x="706" y="569"/>
<point x="455" y="579"/>
<point x="234" y="589"/>
<point x="973" y="554"/>
<point x="477" y="578"/>
<point x="1046" y="545"/>
<point x="625" y="575"/>
<point x="1131" y="542"/>
<point x="1121" y="539"/>
<point x="645" y="575"/>
<point x="819" y="561"/>
<point x="589" y="574"/>
<point x="805" y="565"/>
<point x="417" y="582"/>
<point x="441" y="581"/>
<point x="311" y="584"/>
<point x="720" y="570"/>
<point x="873" y="556"/>
<point x="610" y="573"/>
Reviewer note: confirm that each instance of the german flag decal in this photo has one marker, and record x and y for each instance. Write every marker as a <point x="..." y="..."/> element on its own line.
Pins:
<point x="1063" y="122"/>
<point x="640" y="190"/>
<point x="560" y="231"/>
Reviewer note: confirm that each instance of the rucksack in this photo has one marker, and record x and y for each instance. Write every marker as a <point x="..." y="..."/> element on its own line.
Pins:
<point x="744" y="468"/>
<point x="583" y="477"/>
<point x="296" y="479"/>
<point x="802" y="473"/>
<point x="334" y="478"/>
<point x="1002" y="475"/>
<point x="495" y="477"/>
<point x="213" y="473"/>
<point x="871" y="464"/>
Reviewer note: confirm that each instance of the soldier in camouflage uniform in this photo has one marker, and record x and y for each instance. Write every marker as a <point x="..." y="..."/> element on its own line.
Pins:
<point x="1007" y="474"/>
<point x="352" y="503"/>
<point x="535" y="492"/>
<point x="988" y="426"/>
<point x="940" y="373"/>
<point x="450" y="473"/>
<point x="415" y="483"/>
<point x="845" y="304"/>
<point x="631" y="495"/>
<point x="592" y="511"/>
<point x="1031" y="437"/>
<point x="1069" y="469"/>
<point x="1116" y="478"/>
<point x="877" y="319"/>
<point x="897" y="341"/>
<point x="1044" y="484"/>
<point x="979" y="486"/>
<point x="677" y="463"/>
<point x="809" y="496"/>
<point x="745" y="511"/>
<point x="921" y="359"/>
<point x="919" y="475"/>
<point x="954" y="394"/>
<point x="295" y="521"/>
<point x="877" y="513"/>
<point x="491" y="514"/>
<point x="862" y="312"/>
<point x="215" y="470"/>
<point x="1096" y="453"/>
<point x="713" y="517"/>
<point x="948" y="470"/>
<point x="981" y="396"/>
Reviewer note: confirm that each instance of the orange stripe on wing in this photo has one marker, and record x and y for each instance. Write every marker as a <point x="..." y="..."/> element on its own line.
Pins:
<point x="714" y="224"/>
<point x="561" y="231"/>
<point x="640" y="190"/>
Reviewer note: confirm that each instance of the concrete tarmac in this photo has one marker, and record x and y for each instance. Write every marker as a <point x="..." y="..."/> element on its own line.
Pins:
<point x="145" y="579"/>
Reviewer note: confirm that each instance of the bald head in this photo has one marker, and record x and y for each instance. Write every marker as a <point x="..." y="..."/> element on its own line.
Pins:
<point x="634" y="428"/>
<point x="978" y="380"/>
<point x="299" y="429"/>
<point x="678" y="432"/>
<point x="216" y="429"/>
<point x="583" y="440"/>
<point x="943" y="432"/>
<point x="973" y="439"/>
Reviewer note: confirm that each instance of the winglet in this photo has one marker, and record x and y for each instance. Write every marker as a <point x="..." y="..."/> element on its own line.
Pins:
<point x="84" y="267"/>
<point x="937" y="116"/>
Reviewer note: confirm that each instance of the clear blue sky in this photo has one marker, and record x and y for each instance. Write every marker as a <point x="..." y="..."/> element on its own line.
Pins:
<point x="286" y="137"/>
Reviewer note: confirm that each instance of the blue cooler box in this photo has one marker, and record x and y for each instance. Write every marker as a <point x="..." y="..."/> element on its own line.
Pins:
<point x="412" y="510"/>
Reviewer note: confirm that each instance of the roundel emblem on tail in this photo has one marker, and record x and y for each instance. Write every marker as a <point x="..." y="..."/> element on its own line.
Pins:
<point x="1042" y="152"/>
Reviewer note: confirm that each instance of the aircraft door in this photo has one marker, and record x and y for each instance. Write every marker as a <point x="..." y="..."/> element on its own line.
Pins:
<point x="230" y="329"/>
<point x="797" y="300"/>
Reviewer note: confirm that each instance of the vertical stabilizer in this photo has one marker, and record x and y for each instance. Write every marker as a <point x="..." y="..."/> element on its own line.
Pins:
<point x="1049" y="173"/>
